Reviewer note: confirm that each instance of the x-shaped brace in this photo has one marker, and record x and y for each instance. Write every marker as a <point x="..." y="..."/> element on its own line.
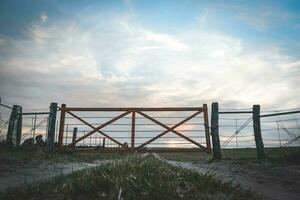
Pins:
<point x="97" y="129"/>
<point x="168" y="129"/>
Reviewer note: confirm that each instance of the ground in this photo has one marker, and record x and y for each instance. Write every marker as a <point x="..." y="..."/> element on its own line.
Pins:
<point x="272" y="180"/>
<point x="26" y="166"/>
<point x="277" y="177"/>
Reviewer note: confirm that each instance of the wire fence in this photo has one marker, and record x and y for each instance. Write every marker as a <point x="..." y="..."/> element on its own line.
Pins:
<point x="4" y="120"/>
<point x="277" y="131"/>
<point x="236" y="131"/>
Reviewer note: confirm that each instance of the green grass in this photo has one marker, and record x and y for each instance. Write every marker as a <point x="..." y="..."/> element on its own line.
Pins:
<point x="132" y="178"/>
<point x="186" y="156"/>
<point x="22" y="156"/>
<point x="276" y="155"/>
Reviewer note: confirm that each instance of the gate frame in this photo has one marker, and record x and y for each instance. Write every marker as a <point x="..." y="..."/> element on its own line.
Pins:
<point x="133" y="111"/>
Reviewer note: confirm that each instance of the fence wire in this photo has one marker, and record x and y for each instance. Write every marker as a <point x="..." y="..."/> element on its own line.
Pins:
<point x="236" y="131"/>
<point x="277" y="131"/>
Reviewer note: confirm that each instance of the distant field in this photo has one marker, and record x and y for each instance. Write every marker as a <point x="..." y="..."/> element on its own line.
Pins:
<point x="21" y="156"/>
<point x="272" y="153"/>
<point x="132" y="177"/>
<point x="37" y="155"/>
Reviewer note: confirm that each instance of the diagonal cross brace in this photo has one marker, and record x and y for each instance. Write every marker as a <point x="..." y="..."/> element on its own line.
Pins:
<point x="170" y="129"/>
<point x="166" y="131"/>
<point x="97" y="129"/>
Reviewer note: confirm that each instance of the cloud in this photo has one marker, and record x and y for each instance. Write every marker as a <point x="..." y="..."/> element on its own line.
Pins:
<point x="43" y="18"/>
<point x="202" y="19"/>
<point x="119" y="62"/>
<point x="292" y="65"/>
<point x="262" y="18"/>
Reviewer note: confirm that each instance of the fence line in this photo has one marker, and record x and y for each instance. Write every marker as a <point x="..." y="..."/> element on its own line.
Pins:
<point x="278" y="132"/>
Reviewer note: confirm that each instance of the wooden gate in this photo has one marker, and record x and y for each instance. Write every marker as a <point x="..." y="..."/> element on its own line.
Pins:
<point x="132" y="114"/>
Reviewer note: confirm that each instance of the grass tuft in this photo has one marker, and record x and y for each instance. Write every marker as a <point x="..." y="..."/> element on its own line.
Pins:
<point x="132" y="178"/>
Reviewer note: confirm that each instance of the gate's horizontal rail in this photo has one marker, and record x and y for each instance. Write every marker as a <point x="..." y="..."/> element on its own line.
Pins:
<point x="137" y="124"/>
<point x="142" y="131"/>
<point x="157" y="117"/>
<point x="135" y="109"/>
<point x="143" y="137"/>
<point x="152" y="150"/>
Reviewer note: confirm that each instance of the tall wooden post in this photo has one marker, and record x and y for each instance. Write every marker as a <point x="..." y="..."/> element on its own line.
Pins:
<point x="19" y="126"/>
<point x="61" y="125"/>
<point x="103" y="144"/>
<point x="34" y="127"/>
<point x="257" y="132"/>
<point x="51" y="127"/>
<point x="215" y="131"/>
<point x="132" y="130"/>
<point x="206" y="126"/>
<point x="11" y="125"/>
<point x="14" y="132"/>
<point x="74" y="136"/>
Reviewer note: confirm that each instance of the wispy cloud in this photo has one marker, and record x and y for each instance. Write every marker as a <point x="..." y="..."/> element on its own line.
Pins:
<point x="120" y="62"/>
<point x="263" y="17"/>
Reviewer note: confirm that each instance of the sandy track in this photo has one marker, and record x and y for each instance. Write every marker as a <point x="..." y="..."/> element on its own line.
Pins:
<point x="284" y="184"/>
<point x="13" y="174"/>
<point x="29" y="174"/>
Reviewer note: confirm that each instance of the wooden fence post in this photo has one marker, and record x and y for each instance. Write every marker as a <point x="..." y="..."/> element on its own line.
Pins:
<point x="133" y="130"/>
<point x="51" y="127"/>
<point x="74" y="136"/>
<point x="103" y="144"/>
<point x="215" y="131"/>
<point x="61" y="125"/>
<point x="19" y="126"/>
<point x="257" y="132"/>
<point x="14" y="132"/>
<point x="206" y="126"/>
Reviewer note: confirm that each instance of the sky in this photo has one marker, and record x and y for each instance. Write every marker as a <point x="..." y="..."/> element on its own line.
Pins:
<point x="150" y="53"/>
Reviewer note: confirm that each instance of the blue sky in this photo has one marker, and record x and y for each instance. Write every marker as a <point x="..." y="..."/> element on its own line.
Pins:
<point x="278" y="19"/>
<point x="137" y="53"/>
<point x="150" y="53"/>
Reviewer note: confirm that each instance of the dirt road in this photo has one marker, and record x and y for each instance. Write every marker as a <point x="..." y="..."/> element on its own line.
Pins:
<point x="273" y="183"/>
<point x="27" y="174"/>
